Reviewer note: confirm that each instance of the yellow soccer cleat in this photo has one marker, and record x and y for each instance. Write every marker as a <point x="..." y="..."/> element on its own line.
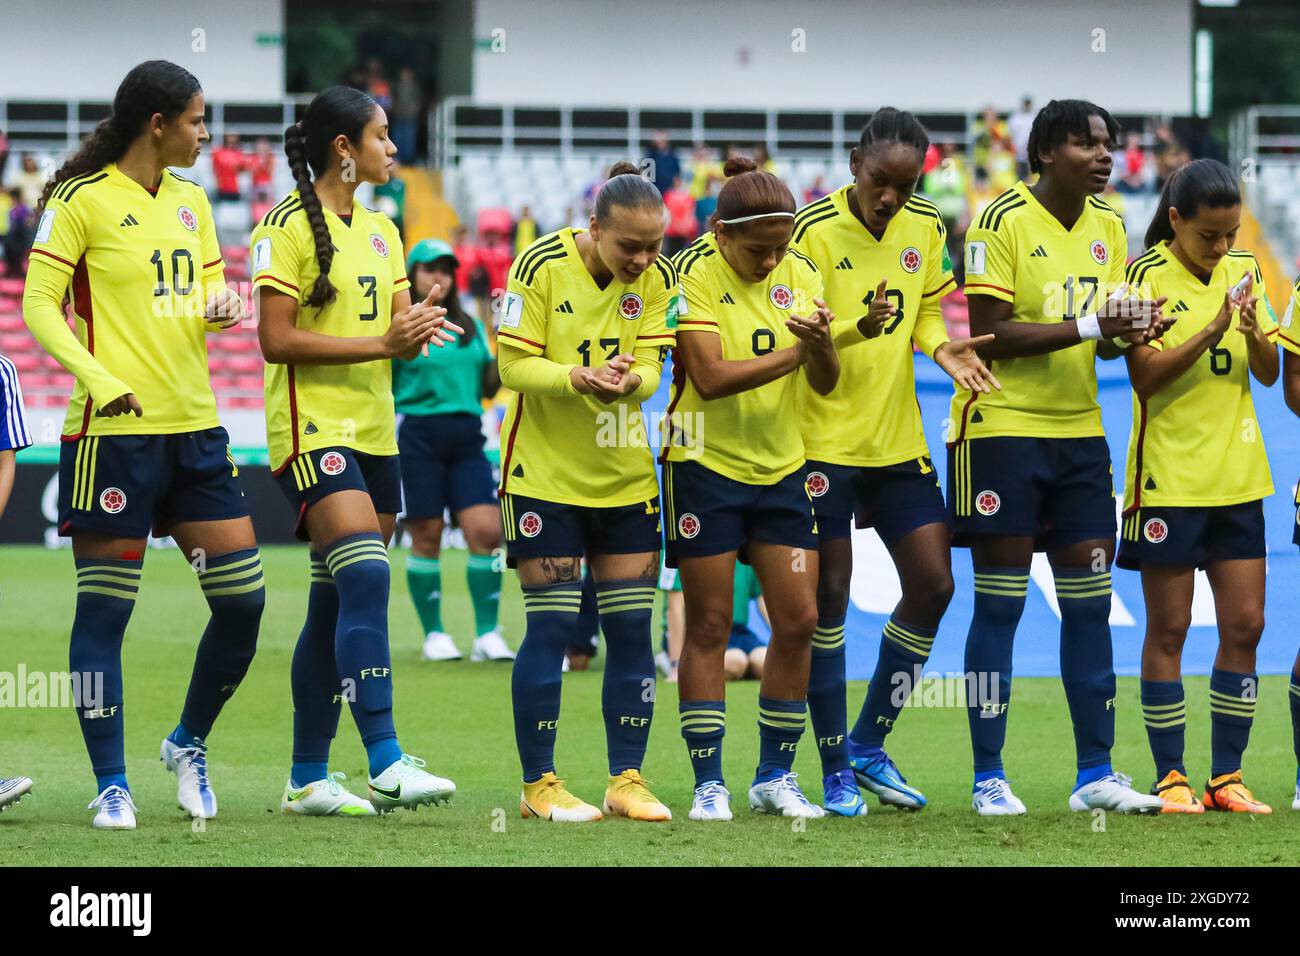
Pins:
<point x="628" y="796"/>
<point x="548" y="800"/>
<point x="1177" y="794"/>
<point x="1227" y="792"/>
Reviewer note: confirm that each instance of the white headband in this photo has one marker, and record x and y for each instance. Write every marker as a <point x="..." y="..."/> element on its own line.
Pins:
<point x="761" y="215"/>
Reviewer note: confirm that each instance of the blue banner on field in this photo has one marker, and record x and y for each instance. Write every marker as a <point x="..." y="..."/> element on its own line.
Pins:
<point x="875" y="588"/>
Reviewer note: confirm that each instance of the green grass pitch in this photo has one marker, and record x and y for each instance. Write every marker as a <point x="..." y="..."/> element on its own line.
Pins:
<point x="457" y="716"/>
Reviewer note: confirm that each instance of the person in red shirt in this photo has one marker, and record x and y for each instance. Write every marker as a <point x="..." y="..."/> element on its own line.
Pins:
<point x="262" y="166"/>
<point x="227" y="163"/>
<point x="682" y="227"/>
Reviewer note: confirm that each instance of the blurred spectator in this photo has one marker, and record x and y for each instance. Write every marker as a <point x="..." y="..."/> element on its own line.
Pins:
<point x="1019" y="124"/>
<point x="1170" y="154"/>
<point x="707" y="204"/>
<point x="816" y="190"/>
<point x="466" y="256"/>
<point x="1133" y="166"/>
<point x="377" y="84"/>
<point x="407" y="100"/>
<point x="525" y="230"/>
<point x="262" y="166"/>
<point x="704" y="169"/>
<point x="946" y="187"/>
<point x="1001" y="166"/>
<point x="682" y="227"/>
<point x="4" y="154"/>
<point x="763" y="160"/>
<point x="988" y="129"/>
<point x="31" y="181"/>
<point x="666" y="165"/>
<point x="228" y="161"/>
<point x="18" y="240"/>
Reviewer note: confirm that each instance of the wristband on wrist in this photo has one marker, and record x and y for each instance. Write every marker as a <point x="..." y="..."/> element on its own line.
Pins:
<point x="1089" y="327"/>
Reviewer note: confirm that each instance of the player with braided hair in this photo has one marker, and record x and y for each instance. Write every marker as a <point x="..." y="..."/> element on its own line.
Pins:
<point x="335" y="308"/>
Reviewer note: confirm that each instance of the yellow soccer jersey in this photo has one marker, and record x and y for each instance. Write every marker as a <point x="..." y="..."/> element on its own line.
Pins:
<point x="1018" y="252"/>
<point x="139" y="264"/>
<point x="317" y="406"/>
<point x="1196" y="443"/>
<point x="877" y="385"/>
<point x="574" y="449"/>
<point x="1288" y="334"/>
<point x="752" y="436"/>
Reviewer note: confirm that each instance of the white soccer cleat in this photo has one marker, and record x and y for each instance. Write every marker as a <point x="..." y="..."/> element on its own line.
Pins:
<point x="783" y="797"/>
<point x="12" y="790"/>
<point x="190" y="764"/>
<point x="440" y="647"/>
<point x="116" y="809"/>
<point x="1114" y="792"/>
<point x="1295" y="804"/>
<point x="993" y="798"/>
<point x="491" y="647"/>
<point x="324" y="798"/>
<point x="406" y="784"/>
<point x="712" y="802"/>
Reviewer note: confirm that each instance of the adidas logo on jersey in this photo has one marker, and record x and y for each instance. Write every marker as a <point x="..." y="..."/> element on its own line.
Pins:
<point x="844" y="264"/>
<point x="129" y="221"/>
<point x="976" y="418"/>
<point x="1180" y="307"/>
<point x="311" y="429"/>
<point x="564" y="307"/>
<point x="1039" y="253"/>
<point x="1150" y="485"/>
<point x="518" y="472"/>
<point x="726" y="299"/>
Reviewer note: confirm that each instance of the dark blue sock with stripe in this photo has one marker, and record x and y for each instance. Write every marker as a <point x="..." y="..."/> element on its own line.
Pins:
<point x="628" y="692"/>
<point x="826" y="695"/>
<point x="317" y="695"/>
<point x="780" y="725"/>
<point x="904" y="649"/>
<point x="1087" y="668"/>
<point x="704" y="723"/>
<point x="1232" y="711"/>
<point x="236" y="594"/>
<point x="1164" y="711"/>
<point x="106" y="593"/>
<point x="551" y="612"/>
<point x="358" y="563"/>
<point x="999" y="602"/>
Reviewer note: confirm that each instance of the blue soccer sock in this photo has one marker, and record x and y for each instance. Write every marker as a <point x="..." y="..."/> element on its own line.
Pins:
<point x="358" y="563"/>
<point x="999" y="602"/>
<point x="236" y="594"/>
<point x="904" y="649"/>
<point x="780" y="725"/>
<point x="628" y="690"/>
<point x="704" y="724"/>
<point x="106" y="592"/>
<point x="1164" y="709"/>
<point x="1232" y="711"/>
<point x="535" y="681"/>
<point x="1087" y="668"/>
<point x="317" y="695"/>
<point x="826" y="694"/>
<point x="1294" y="696"/>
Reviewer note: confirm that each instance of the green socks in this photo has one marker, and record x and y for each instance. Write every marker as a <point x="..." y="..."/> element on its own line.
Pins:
<point x="424" y="577"/>
<point x="484" y="579"/>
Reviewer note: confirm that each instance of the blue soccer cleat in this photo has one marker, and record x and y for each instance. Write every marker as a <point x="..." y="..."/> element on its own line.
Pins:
<point x="840" y="795"/>
<point x="878" y="774"/>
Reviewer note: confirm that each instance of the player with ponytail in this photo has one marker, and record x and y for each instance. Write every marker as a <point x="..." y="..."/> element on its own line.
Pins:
<point x="133" y="245"/>
<point x="334" y="309"/>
